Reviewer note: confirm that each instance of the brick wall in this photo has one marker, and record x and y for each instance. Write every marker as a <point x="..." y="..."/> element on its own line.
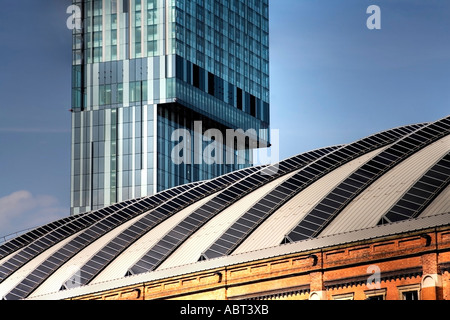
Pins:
<point x="391" y="267"/>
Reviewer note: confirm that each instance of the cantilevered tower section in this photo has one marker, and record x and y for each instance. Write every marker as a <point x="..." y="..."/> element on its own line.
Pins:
<point x="143" y="69"/>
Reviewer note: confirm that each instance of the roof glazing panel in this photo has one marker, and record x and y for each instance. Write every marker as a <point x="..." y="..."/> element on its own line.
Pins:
<point x="226" y="198"/>
<point x="288" y="189"/>
<point x="421" y="194"/>
<point x="323" y="213"/>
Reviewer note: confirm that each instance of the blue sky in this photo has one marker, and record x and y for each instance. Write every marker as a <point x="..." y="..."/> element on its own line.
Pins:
<point x="333" y="81"/>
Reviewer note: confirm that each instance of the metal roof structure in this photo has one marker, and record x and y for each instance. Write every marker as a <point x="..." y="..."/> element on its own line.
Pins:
<point x="392" y="182"/>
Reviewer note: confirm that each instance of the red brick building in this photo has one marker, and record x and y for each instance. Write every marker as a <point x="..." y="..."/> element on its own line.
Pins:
<point x="367" y="220"/>
<point x="407" y="266"/>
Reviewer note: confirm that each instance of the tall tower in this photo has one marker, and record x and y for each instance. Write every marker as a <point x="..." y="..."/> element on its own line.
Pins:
<point x="143" y="69"/>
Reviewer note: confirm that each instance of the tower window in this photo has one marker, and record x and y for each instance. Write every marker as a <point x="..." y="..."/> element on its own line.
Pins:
<point x="196" y="76"/>
<point x="239" y="98"/>
<point x="211" y="83"/>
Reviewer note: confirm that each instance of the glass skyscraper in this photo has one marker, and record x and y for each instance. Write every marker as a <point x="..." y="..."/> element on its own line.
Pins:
<point x="145" y="68"/>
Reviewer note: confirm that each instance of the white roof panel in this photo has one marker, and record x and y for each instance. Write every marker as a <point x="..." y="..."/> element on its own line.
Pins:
<point x="306" y="245"/>
<point x="367" y="209"/>
<point x="191" y="250"/>
<point x="273" y="230"/>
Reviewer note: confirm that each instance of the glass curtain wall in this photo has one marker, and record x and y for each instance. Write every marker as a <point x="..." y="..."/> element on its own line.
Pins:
<point x="132" y="61"/>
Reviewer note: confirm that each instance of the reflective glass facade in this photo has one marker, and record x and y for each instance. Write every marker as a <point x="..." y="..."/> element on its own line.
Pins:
<point x="144" y="68"/>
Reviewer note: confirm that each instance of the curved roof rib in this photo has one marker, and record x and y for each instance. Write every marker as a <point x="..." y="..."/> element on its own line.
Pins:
<point x="151" y="219"/>
<point x="399" y="177"/>
<point x="53" y="231"/>
<point x="421" y="194"/>
<point x="32" y="244"/>
<point x="324" y="212"/>
<point x="175" y="237"/>
<point x="115" y="219"/>
<point x="275" y="199"/>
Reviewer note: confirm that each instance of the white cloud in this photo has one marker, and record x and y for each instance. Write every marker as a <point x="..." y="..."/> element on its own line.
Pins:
<point x="22" y="210"/>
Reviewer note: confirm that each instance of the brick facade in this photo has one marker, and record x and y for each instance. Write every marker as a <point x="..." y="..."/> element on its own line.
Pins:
<point x="415" y="265"/>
